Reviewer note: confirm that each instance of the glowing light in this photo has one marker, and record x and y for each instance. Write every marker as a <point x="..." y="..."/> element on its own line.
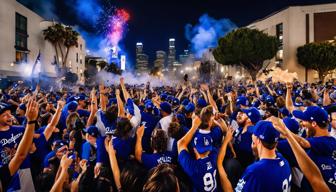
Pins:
<point x="123" y="62"/>
<point x="12" y="64"/>
<point x="171" y="39"/>
<point x="222" y="69"/>
<point x="182" y="71"/>
<point x="139" y="44"/>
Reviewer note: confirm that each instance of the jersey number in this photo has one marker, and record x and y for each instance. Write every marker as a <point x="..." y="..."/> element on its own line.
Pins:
<point x="286" y="184"/>
<point x="209" y="181"/>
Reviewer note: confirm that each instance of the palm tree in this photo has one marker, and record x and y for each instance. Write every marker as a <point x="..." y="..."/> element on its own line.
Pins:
<point x="70" y="40"/>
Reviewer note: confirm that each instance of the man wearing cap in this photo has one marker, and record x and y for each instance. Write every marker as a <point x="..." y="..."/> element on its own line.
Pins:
<point x="201" y="169"/>
<point x="20" y="113"/>
<point x="89" y="148"/>
<point x="167" y="116"/>
<point x="242" y="138"/>
<point x="189" y="110"/>
<point x="272" y="172"/>
<point x="320" y="146"/>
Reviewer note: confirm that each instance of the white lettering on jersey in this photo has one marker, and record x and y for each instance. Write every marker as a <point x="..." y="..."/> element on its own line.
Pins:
<point x="5" y="141"/>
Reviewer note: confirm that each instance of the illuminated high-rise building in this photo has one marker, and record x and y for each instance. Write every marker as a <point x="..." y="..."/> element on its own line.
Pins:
<point x="141" y="59"/>
<point x="171" y="54"/>
<point x="160" y="60"/>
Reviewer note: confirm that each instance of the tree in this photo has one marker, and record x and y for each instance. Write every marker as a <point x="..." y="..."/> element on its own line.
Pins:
<point x="318" y="56"/>
<point x="246" y="47"/>
<point x="62" y="38"/>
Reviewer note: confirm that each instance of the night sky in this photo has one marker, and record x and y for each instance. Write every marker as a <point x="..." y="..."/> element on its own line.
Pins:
<point x="153" y="22"/>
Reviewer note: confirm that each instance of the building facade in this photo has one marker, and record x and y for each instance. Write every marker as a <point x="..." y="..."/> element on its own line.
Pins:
<point x="296" y="26"/>
<point x="171" y="54"/>
<point x="141" y="59"/>
<point x="160" y="61"/>
<point x="22" y="43"/>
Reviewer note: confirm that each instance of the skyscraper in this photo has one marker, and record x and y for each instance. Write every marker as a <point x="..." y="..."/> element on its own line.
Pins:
<point x="171" y="54"/>
<point x="160" y="60"/>
<point x="141" y="59"/>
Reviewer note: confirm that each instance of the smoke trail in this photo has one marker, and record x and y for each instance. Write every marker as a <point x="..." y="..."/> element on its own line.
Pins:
<point x="206" y="33"/>
<point x="88" y="10"/>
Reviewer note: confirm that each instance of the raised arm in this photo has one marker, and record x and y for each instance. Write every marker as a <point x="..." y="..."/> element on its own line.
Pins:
<point x="114" y="163"/>
<point x="307" y="166"/>
<point x="138" y="144"/>
<point x="182" y="144"/>
<point x="124" y="90"/>
<point x="93" y="106"/>
<point x="121" y="110"/>
<point x="326" y="98"/>
<point x="225" y="182"/>
<point x="102" y="96"/>
<point x="52" y="125"/>
<point x="64" y="165"/>
<point x="27" y="139"/>
<point x="289" y="101"/>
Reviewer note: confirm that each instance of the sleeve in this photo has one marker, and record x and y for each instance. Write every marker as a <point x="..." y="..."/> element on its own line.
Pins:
<point x="317" y="144"/>
<point x="46" y="159"/>
<point x="248" y="182"/>
<point x="101" y="151"/>
<point x="286" y="151"/>
<point x="86" y="151"/>
<point x="187" y="162"/>
<point x="99" y="124"/>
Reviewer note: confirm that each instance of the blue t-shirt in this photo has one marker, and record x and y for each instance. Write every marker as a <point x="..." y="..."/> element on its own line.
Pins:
<point x="89" y="152"/>
<point x="83" y="113"/>
<point x="152" y="160"/>
<point x="9" y="141"/>
<point x="266" y="175"/>
<point x="123" y="147"/>
<point x="202" y="172"/>
<point x="150" y="123"/>
<point x="242" y="146"/>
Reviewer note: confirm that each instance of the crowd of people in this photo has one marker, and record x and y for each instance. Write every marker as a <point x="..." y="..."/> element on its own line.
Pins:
<point x="243" y="136"/>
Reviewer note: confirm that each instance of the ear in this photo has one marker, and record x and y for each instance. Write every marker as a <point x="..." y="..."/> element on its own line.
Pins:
<point x="314" y="124"/>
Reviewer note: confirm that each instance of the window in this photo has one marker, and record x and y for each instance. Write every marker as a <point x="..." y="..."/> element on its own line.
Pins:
<point x="80" y="46"/>
<point x="80" y="61"/>
<point x="77" y="57"/>
<point x="279" y="35"/>
<point x="21" y="38"/>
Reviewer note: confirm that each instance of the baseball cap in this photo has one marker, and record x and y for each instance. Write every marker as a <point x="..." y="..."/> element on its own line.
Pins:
<point x="72" y="106"/>
<point x="242" y="100"/>
<point x="4" y="107"/>
<point x="190" y="108"/>
<point x="284" y="111"/>
<point x="201" y="103"/>
<point x="149" y="105"/>
<point x="265" y="131"/>
<point x="59" y="144"/>
<point x="203" y="143"/>
<point x="270" y="100"/>
<point x="166" y="107"/>
<point x="185" y="102"/>
<point x="253" y="114"/>
<point x="181" y="118"/>
<point x="176" y="101"/>
<point x="81" y="97"/>
<point x="163" y="96"/>
<point x="292" y="124"/>
<point x="93" y="131"/>
<point x="312" y="113"/>
<point x="22" y="106"/>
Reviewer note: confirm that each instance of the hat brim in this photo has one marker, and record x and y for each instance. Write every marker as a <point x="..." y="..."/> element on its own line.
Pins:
<point x="300" y="115"/>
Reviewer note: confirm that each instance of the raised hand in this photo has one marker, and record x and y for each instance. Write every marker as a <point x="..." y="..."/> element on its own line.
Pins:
<point x="289" y="85"/>
<point x="60" y="104"/>
<point x="122" y="81"/>
<point x="204" y="87"/>
<point x="83" y="165"/>
<point x="66" y="161"/>
<point x="32" y="110"/>
<point x="196" y="121"/>
<point x="140" y="131"/>
<point x="279" y="125"/>
<point x="109" y="145"/>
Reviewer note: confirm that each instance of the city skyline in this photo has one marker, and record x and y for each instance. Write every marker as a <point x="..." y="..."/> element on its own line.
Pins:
<point x="152" y="22"/>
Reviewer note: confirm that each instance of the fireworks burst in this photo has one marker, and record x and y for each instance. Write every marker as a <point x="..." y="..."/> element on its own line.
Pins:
<point x="113" y="24"/>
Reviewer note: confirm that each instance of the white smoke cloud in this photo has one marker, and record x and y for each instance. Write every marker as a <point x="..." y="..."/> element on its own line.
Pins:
<point x="206" y="33"/>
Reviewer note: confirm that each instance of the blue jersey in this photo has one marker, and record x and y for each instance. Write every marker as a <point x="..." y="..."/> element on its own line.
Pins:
<point x="266" y="175"/>
<point x="242" y="146"/>
<point x="152" y="160"/>
<point x="202" y="172"/>
<point x="89" y="152"/>
<point x="123" y="147"/>
<point x="9" y="141"/>
<point x="150" y="122"/>
<point x="215" y="133"/>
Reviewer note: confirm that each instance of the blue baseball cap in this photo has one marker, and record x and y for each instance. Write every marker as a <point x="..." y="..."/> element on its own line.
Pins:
<point x="92" y="130"/>
<point x="70" y="99"/>
<point x="298" y="104"/>
<point x="265" y="131"/>
<point x="256" y="104"/>
<point x="166" y="107"/>
<point x="242" y="100"/>
<point x="284" y="111"/>
<point x="59" y="144"/>
<point x="4" y="107"/>
<point x="81" y="97"/>
<point x="72" y="106"/>
<point x="270" y="100"/>
<point x="170" y="98"/>
<point x="181" y="118"/>
<point x="279" y="92"/>
<point x="22" y="106"/>
<point x="190" y="108"/>
<point x="312" y="113"/>
<point x="163" y="96"/>
<point x="201" y="103"/>
<point x="203" y="142"/>
<point x="149" y="105"/>
<point x="292" y="124"/>
<point x="176" y="101"/>
<point x="253" y="114"/>
<point x="185" y="102"/>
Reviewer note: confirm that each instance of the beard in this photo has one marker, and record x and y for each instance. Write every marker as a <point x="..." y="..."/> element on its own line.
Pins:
<point x="241" y="122"/>
<point x="311" y="132"/>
